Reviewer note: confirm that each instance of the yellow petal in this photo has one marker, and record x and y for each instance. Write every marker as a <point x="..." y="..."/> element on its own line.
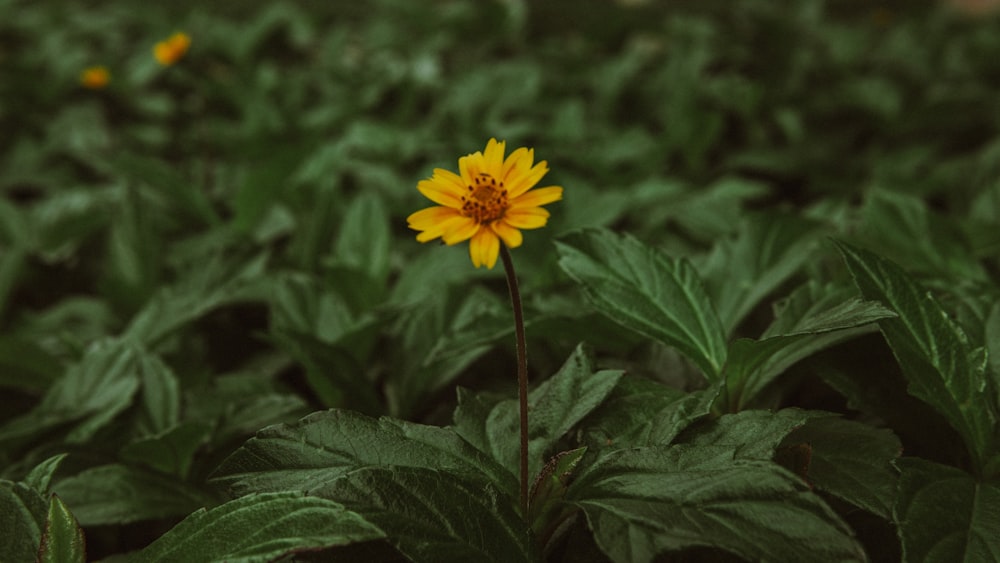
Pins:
<point x="493" y="157"/>
<point x="450" y="178"/>
<point x="484" y="249"/>
<point x="441" y="193"/>
<point x="469" y="166"/>
<point x="518" y="162"/>
<point x="538" y="197"/>
<point x="434" y="221"/>
<point x="510" y="236"/>
<point x="526" y="218"/>
<point x="523" y="182"/>
<point x="461" y="230"/>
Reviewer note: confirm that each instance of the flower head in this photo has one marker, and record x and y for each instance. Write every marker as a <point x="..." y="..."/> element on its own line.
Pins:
<point x="170" y="50"/>
<point x="486" y="202"/>
<point x="95" y="77"/>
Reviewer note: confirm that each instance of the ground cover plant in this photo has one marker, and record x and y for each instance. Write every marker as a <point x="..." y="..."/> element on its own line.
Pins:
<point x="756" y="281"/>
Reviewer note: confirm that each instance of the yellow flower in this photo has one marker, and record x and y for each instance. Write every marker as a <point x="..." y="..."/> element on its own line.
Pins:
<point x="486" y="202"/>
<point x="170" y="50"/>
<point x="95" y="77"/>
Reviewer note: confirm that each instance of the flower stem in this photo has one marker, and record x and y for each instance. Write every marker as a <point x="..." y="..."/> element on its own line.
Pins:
<point x="522" y="370"/>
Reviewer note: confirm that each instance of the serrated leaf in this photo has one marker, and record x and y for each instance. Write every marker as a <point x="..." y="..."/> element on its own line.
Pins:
<point x="121" y="494"/>
<point x="22" y="518"/>
<point x="753" y="364"/>
<point x="646" y="501"/>
<point x="640" y="412"/>
<point x="435" y="516"/>
<point x="849" y="460"/>
<point x="554" y="407"/>
<point x="941" y="366"/>
<point x="259" y="528"/>
<point x="648" y="292"/>
<point x="944" y="515"/>
<point x="766" y="251"/>
<point x="324" y="446"/>
<point x="752" y="434"/>
<point x="62" y="538"/>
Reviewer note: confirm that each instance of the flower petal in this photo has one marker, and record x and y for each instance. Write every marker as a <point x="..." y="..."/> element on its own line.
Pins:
<point x="510" y="236"/>
<point x="526" y="218"/>
<point x="440" y="192"/>
<point x="469" y="166"/>
<point x="518" y="162"/>
<point x="537" y="197"/>
<point x="434" y="222"/>
<point x="520" y="183"/>
<point x="493" y="157"/>
<point x="484" y="249"/>
<point x="462" y="230"/>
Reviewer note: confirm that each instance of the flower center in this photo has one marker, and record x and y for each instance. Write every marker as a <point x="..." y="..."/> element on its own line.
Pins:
<point x="486" y="199"/>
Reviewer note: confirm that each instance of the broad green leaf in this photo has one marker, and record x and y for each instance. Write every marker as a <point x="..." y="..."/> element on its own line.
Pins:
<point x="554" y="407"/>
<point x="435" y="516"/>
<point x="848" y="459"/>
<point x="751" y="434"/>
<point x="643" y="289"/>
<point x="25" y="365"/>
<point x="161" y="395"/>
<point x="549" y="487"/>
<point x="62" y="538"/>
<point x="121" y="494"/>
<point x="23" y="513"/>
<point x="901" y="225"/>
<point x="90" y="394"/>
<point x="326" y="445"/>
<point x="946" y="516"/>
<point x="941" y="366"/>
<point x="364" y="239"/>
<point x="170" y="451"/>
<point x="134" y="254"/>
<point x="40" y="476"/>
<point x="766" y="251"/>
<point x="643" y="502"/>
<point x="259" y="528"/>
<point x="806" y="324"/>
<point x="640" y="412"/>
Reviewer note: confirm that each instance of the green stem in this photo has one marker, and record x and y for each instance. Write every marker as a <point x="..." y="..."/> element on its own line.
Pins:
<point x="522" y="369"/>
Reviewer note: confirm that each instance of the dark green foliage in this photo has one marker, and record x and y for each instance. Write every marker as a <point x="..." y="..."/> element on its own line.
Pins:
<point x="763" y="324"/>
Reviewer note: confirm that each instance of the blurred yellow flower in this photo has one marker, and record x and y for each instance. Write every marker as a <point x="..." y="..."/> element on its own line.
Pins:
<point x="486" y="202"/>
<point x="95" y="77"/>
<point x="170" y="50"/>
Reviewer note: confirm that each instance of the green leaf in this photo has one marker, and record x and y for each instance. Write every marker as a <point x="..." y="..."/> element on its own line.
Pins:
<point x="808" y="321"/>
<point x="168" y="184"/>
<point x="941" y="366"/>
<point x="944" y="515"/>
<point x="40" y="476"/>
<point x="62" y="539"/>
<point x="262" y="185"/>
<point x="23" y="514"/>
<point x="554" y="407"/>
<point x="121" y="494"/>
<point x="767" y="250"/>
<point x="25" y="365"/>
<point x="752" y="434"/>
<point x="902" y="226"/>
<point x="365" y="238"/>
<point x="646" y="501"/>
<point x="435" y="516"/>
<point x="640" y="412"/>
<point x="259" y="528"/>
<point x="848" y="459"/>
<point x="170" y="451"/>
<point x="643" y="289"/>
<point x="324" y="446"/>
<point x="90" y="394"/>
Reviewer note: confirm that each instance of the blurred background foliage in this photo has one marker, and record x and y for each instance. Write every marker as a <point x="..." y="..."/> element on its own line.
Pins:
<point x="198" y="250"/>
